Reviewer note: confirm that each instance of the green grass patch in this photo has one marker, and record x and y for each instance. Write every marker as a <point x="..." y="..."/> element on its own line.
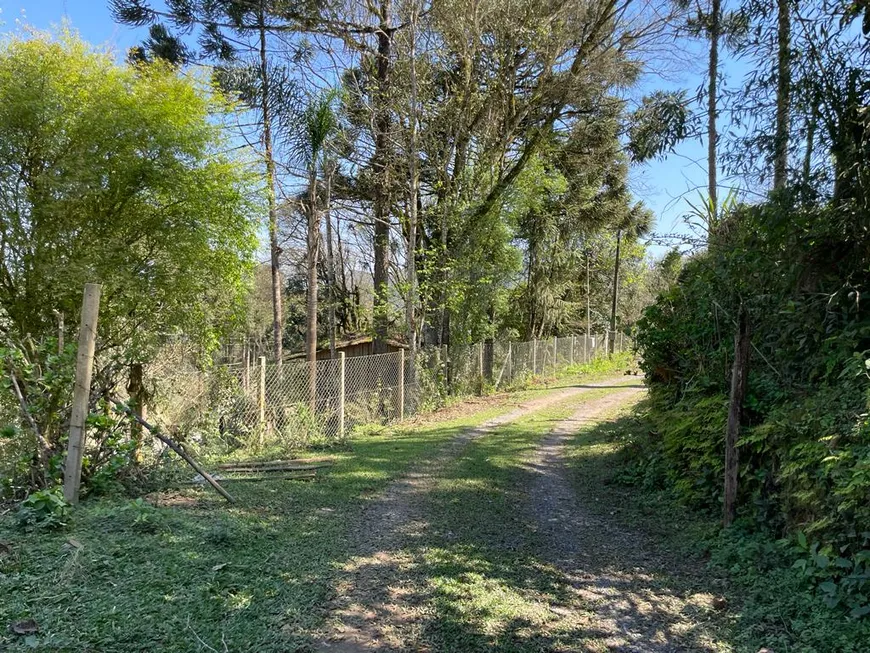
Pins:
<point x="129" y="576"/>
<point x="196" y="572"/>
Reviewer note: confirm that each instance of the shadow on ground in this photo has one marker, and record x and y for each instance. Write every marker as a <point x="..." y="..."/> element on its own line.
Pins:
<point x="197" y="572"/>
<point x="481" y="572"/>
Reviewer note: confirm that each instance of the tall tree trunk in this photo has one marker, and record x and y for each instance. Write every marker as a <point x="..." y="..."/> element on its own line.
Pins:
<point x="277" y="308"/>
<point x="739" y="374"/>
<point x="712" y="110"/>
<point x="313" y="241"/>
<point x="812" y="121"/>
<point x="411" y="264"/>
<point x="347" y="324"/>
<point x="588" y="299"/>
<point x="443" y="262"/>
<point x="783" y="93"/>
<point x="330" y="258"/>
<point x="612" y="336"/>
<point x="382" y="184"/>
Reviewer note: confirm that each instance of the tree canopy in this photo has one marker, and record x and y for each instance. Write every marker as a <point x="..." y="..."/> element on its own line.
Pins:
<point x="117" y="175"/>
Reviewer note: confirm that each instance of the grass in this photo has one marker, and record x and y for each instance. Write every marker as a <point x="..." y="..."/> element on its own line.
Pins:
<point x="768" y="605"/>
<point x="482" y="584"/>
<point x="197" y="574"/>
<point x="488" y="589"/>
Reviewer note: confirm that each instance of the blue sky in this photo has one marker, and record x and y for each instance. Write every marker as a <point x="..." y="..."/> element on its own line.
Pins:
<point x="663" y="185"/>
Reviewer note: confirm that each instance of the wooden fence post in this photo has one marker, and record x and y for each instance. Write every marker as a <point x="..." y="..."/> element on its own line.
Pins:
<point x="534" y="356"/>
<point x="739" y="375"/>
<point x="401" y="384"/>
<point x="480" y="365"/>
<point x="72" y="475"/>
<point x="341" y="357"/>
<point x="246" y="369"/>
<point x="262" y="393"/>
<point x="139" y="405"/>
<point x="510" y="363"/>
<point x="555" y="351"/>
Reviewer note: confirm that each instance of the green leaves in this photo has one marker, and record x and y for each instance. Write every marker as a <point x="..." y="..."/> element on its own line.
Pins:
<point x="662" y="120"/>
<point x="43" y="510"/>
<point x="130" y="190"/>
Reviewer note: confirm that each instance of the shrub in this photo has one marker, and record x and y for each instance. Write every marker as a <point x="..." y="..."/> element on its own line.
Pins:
<point x="805" y="447"/>
<point x="44" y="509"/>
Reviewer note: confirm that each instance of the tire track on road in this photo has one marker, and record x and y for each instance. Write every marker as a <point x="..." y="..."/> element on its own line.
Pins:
<point x="371" y="608"/>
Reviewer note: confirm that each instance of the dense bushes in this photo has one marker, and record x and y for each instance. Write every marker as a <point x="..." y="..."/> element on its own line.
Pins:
<point x="799" y="273"/>
<point x="116" y="174"/>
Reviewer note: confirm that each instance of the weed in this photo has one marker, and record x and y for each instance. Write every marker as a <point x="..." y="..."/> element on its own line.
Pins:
<point x="44" y="510"/>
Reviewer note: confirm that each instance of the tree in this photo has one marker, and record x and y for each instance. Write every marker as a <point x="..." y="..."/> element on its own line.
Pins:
<point x="500" y="96"/>
<point x="318" y="124"/>
<point x="244" y="68"/>
<point x="783" y="92"/>
<point x="413" y="185"/>
<point x="715" y="29"/>
<point x="114" y="174"/>
<point x="636" y="223"/>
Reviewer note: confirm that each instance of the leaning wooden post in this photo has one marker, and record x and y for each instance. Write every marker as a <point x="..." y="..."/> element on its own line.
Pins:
<point x="401" y="384"/>
<point x="261" y="402"/>
<point x="739" y="375"/>
<point x="72" y="475"/>
<point x="341" y="356"/>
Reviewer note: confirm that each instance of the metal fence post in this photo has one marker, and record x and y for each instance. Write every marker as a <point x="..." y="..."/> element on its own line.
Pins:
<point x="341" y="356"/>
<point x="401" y="384"/>
<point x="72" y="476"/>
<point x="262" y="393"/>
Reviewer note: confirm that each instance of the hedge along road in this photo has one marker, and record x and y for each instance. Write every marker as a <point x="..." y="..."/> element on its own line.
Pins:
<point x="486" y="547"/>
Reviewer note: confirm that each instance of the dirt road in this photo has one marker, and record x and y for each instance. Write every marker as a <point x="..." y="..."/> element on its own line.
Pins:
<point x="530" y="568"/>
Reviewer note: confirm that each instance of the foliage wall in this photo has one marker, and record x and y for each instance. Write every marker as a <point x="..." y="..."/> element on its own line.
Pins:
<point x="800" y="272"/>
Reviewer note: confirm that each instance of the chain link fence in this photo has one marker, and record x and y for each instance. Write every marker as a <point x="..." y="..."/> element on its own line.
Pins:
<point x="252" y="402"/>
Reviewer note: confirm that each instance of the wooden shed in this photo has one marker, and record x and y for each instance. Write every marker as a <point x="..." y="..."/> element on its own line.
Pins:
<point x="354" y="346"/>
